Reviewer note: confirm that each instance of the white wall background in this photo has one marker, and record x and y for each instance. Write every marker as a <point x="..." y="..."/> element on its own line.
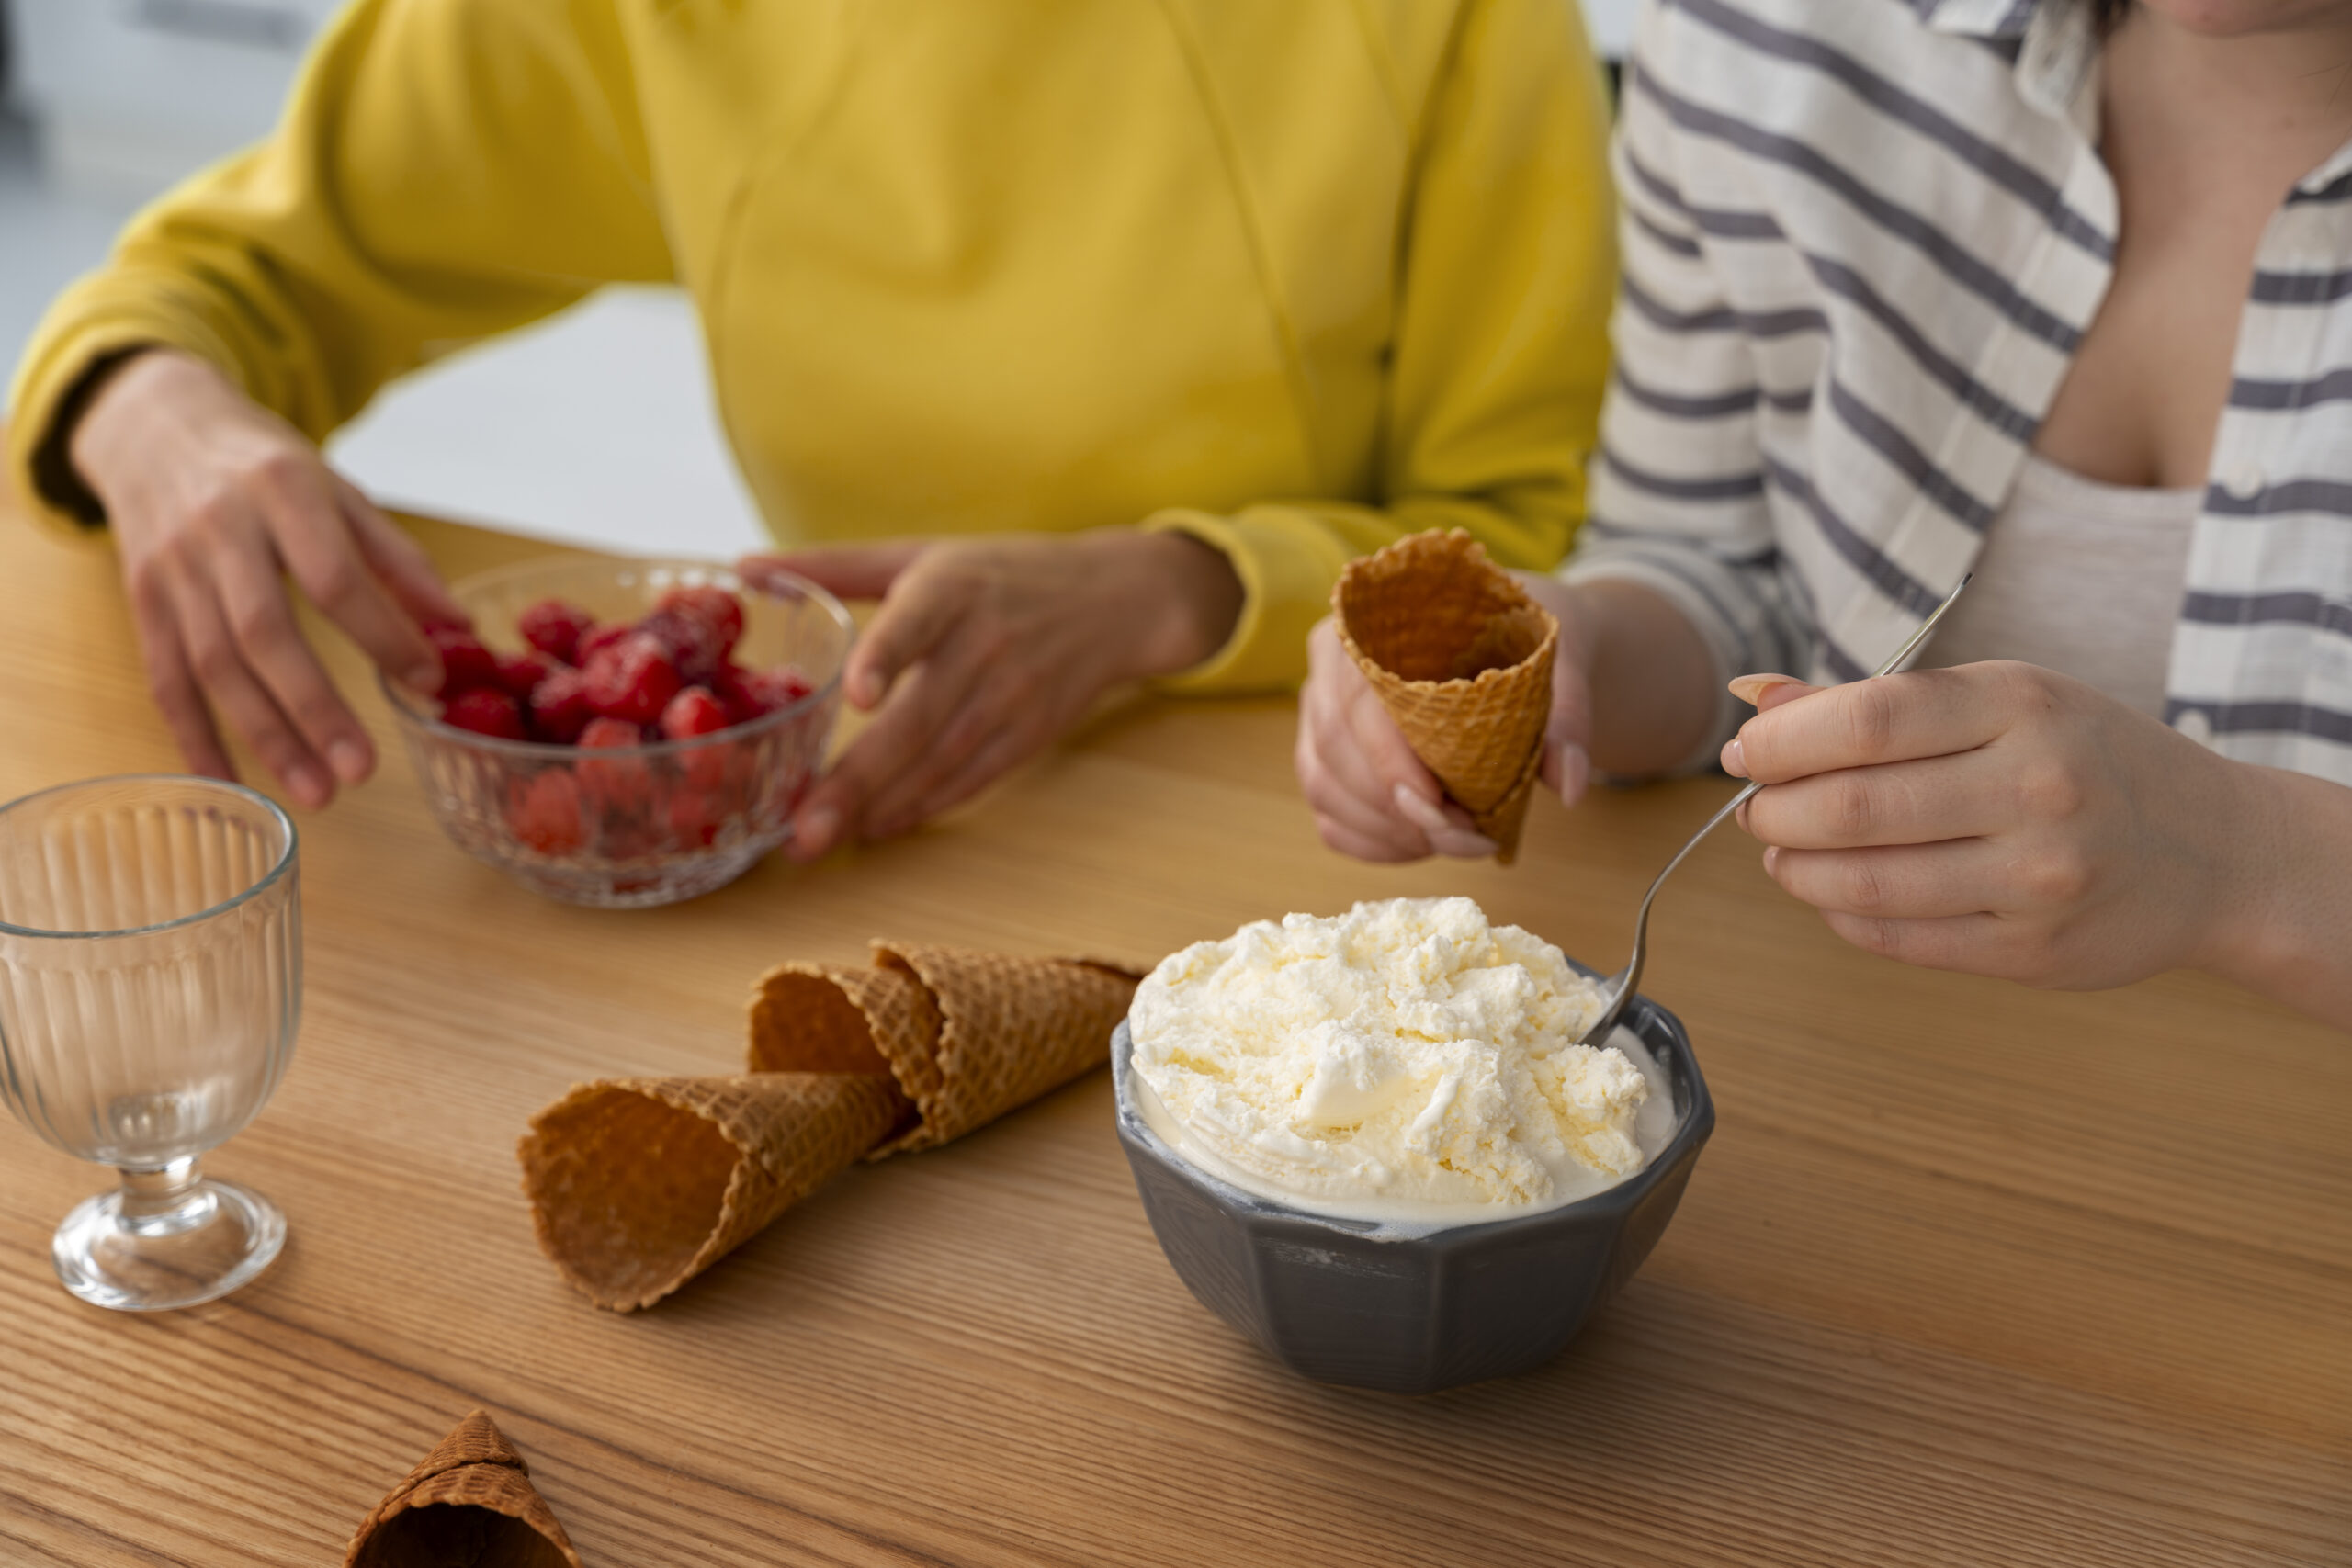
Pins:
<point x="595" y="427"/>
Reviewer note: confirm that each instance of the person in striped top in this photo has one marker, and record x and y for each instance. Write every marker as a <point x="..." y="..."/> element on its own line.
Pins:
<point x="2056" y="291"/>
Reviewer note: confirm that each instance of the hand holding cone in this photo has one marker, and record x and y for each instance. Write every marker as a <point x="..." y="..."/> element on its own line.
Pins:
<point x="470" y="1503"/>
<point x="638" y="1185"/>
<point x="1462" y="660"/>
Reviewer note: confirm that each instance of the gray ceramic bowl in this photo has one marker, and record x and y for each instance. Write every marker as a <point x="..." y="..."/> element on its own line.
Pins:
<point x="1413" y="1315"/>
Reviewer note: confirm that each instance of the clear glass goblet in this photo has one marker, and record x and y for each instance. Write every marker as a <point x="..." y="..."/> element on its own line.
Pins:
<point x="150" y="979"/>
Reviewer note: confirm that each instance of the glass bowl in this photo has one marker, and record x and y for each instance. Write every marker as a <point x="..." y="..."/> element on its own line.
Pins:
<point x="631" y="826"/>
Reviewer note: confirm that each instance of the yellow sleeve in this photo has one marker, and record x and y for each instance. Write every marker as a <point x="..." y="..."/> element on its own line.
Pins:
<point x="445" y="170"/>
<point x="1493" y="397"/>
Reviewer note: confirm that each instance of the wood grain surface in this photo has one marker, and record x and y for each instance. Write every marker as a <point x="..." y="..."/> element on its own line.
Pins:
<point x="1969" y="1275"/>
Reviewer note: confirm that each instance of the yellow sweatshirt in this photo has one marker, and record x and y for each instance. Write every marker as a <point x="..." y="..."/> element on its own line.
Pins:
<point x="1297" y="277"/>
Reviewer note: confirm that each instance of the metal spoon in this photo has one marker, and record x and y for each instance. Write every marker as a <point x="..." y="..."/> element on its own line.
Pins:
<point x="1621" y="983"/>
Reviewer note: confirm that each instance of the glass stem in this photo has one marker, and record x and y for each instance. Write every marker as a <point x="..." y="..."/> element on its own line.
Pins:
<point x="165" y="1200"/>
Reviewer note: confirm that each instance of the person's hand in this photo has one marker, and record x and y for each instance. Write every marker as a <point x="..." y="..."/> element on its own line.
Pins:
<point x="1372" y="798"/>
<point x="1996" y="818"/>
<point x="985" y="650"/>
<point x="212" y="500"/>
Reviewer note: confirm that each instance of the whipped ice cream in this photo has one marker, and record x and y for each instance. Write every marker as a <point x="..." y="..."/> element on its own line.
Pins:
<point x="1404" y="1062"/>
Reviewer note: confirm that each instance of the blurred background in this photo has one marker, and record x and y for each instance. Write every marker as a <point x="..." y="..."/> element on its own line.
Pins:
<point x="579" y="429"/>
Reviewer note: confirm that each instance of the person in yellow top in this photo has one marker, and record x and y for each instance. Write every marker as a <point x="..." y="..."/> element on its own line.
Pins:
<point x="1148" y="314"/>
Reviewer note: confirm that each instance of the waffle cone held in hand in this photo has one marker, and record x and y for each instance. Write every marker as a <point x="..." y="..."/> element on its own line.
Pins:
<point x="470" y="1502"/>
<point x="968" y="1035"/>
<point x="636" y="1185"/>
<point x="1462" y="660"/>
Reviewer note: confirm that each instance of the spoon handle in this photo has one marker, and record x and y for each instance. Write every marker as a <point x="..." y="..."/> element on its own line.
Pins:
<point x="1621" y="983"/>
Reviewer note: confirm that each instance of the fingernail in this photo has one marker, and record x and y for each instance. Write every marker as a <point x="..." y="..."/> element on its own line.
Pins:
<point x="1575" y="771"/>
<point x="1771" y="858"/>
<point x="818" y="827"/>
<point x="309" y="786"/>
<point x="349" y="759"/>
<point x="1734" y="761"/>
<point x="1750" y="689"/>
<point x="1421" y="811"/>
<point x="1461" y="845"/>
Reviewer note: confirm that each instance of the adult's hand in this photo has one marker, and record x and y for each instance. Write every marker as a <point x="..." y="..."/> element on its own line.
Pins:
<point x="2000" y="819"/>
<point x="213" y="501"/>
<point x="986" y="650"/>
<point x="1372" y="796"/>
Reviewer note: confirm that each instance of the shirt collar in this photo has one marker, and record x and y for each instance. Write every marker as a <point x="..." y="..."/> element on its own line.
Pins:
<point x="2054" y="43"/>
<point x="1979" y="18"/>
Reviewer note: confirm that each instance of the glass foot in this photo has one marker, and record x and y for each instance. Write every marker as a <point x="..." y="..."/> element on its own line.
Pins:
<point x="166" y="1239"/>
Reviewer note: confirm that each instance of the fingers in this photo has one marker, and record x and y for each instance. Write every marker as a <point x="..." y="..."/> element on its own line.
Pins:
<point x="401" y="565"/>
<point x="982" y="708"/>
<point x="1567" y="766"/>
<point x="917" y="614"/>
<point x="889" y="747"/>
<point x="261" y="622"/>
<point x="1979" y="944"/>
<point x="1448" y="827"/>
<point x="1927" y="713"/>
<point x="1960" y="796"/>
<point x="1005" y="750"/>
<point x="846" y="571"/>
<point x="219" y="665"/>
<point x="172" y="684"/>
<point x="1356" y="769"/>
<point x="1767" y="691"/>
<point x="1966" y="876"/>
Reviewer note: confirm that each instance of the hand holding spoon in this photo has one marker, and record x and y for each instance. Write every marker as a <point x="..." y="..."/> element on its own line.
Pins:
<point x="1621" y="983"/>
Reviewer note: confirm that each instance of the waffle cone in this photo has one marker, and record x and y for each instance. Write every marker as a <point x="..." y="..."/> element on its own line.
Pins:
<point x="470" y="1501"/>
<point x="636" y="1185"/>
<point x="1462" y="660"/>
<point x="968" y="1035"/>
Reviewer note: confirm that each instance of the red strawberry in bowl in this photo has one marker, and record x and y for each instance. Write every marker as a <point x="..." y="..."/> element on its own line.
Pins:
<point x="555" y="628"/>
<point x="544" y="811"/>
<point x="632" y="680"/>
<point x="714" y="608"/>
<point x="559" y="707"/>
<point x="484" y="710"/>
<point x="464" y="662"/>
<point x="520" y="673"/>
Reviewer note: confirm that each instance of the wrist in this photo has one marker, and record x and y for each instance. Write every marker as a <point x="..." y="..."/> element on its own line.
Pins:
<point x="2277" y="926"/>
<point x="109" y="415"/>
<point x="1181" y="603"/>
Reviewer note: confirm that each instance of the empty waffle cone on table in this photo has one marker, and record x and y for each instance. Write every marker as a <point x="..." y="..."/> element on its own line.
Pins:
<point x="638" y="1185"/>
<point x="1462" y="658"/>
<point x="471" y="1502"/>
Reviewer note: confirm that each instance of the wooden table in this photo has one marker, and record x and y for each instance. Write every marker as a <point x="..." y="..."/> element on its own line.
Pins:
<point x="1969" y="1274"/>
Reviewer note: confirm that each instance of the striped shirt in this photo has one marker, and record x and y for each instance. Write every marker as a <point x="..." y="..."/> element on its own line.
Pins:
<point x="1862" y="240"/>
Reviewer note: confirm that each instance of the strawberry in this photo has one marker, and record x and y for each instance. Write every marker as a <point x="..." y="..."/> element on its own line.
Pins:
<point x="615" y="785"/>
<point x="693" y="822"/>
<point x="694" y="712"/>
<point x="555" y="629"/>
<point x="632" y="680"/>
<point x="606" y="734"/>
<point x="464" y="662"/>
<point x="560" y="709"/>
<point x="714" y="608"/>
<point x="748" y="694"/>
<point x="693" y="646"/>
<point x="544" y="812"/>
<point x="594" y="642"/>
<point x="520" y="673"/>
<point x="485" y="711"/>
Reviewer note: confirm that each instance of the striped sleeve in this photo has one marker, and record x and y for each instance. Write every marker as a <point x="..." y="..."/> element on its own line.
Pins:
<point x="1678" y="491"/>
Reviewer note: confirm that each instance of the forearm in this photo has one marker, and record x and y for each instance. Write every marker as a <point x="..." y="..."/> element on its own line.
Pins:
<point x="1651" y="673"/>
<point x="2287" y="932"/>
